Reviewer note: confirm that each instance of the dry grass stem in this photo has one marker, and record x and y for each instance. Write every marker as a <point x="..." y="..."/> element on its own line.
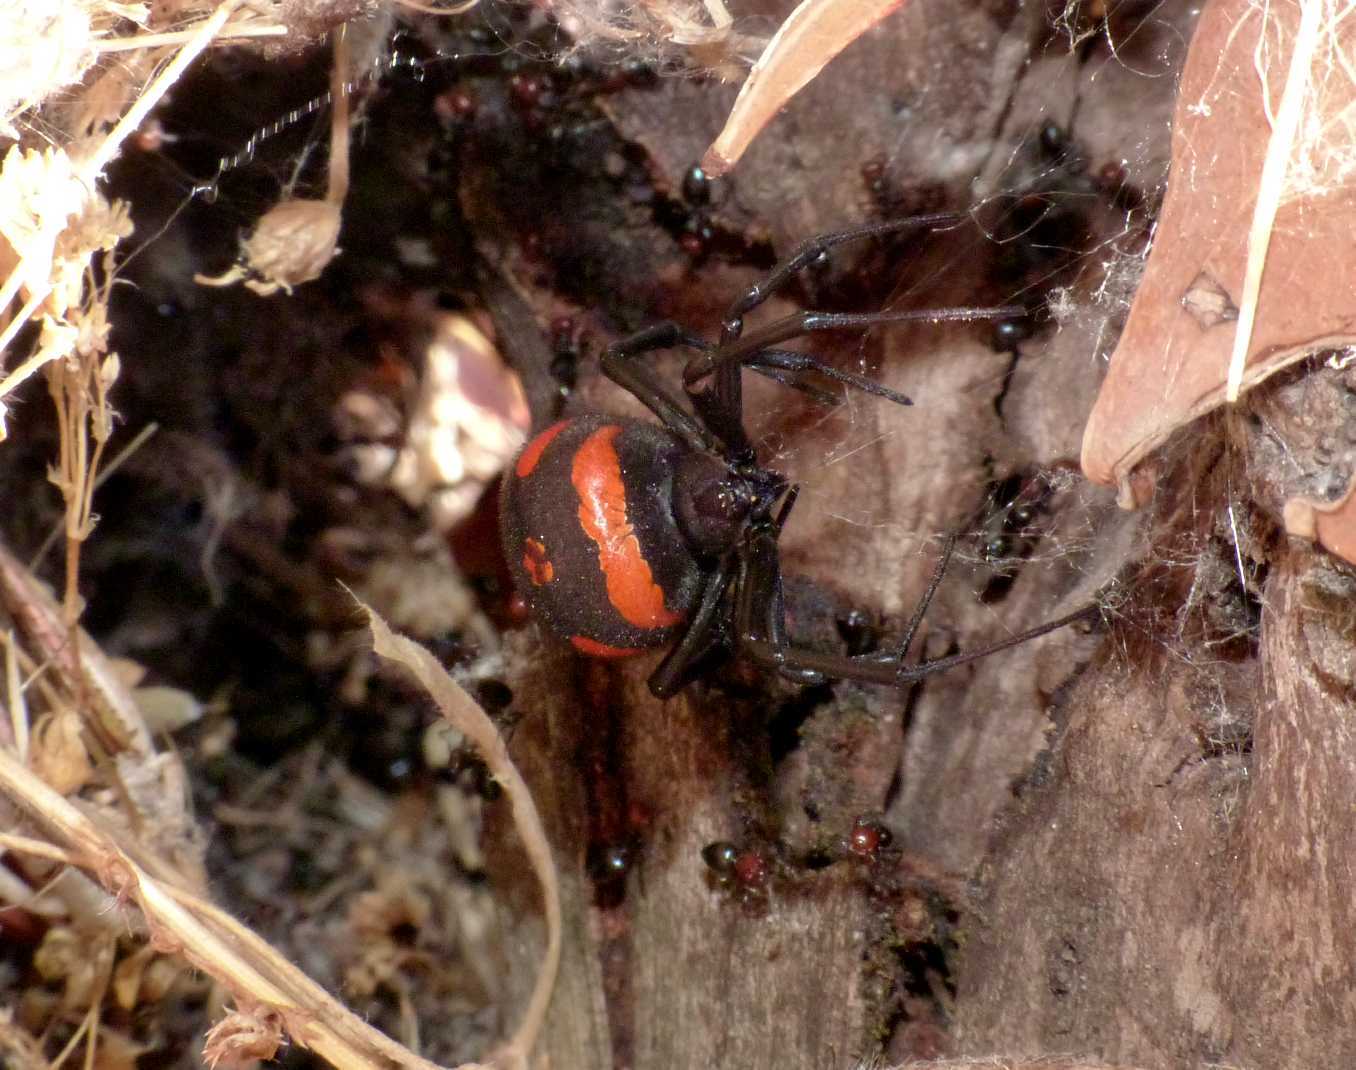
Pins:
<point x="15" y="699"/>
<point x="107" y="704"/>
<point x="228" y="35"/>
<point x="1271" y="185"/>
<point x="467" y="717"/>
<point x="339" y="119"/>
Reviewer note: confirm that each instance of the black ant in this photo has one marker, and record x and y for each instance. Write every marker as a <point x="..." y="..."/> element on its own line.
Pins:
<point x="623" y="535"/>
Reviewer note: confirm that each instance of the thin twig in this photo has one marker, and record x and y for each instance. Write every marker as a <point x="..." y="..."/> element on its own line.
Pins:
<point x="117" y="461"/>
<point x="339" y="119"/>
<point x="158" y="40"/>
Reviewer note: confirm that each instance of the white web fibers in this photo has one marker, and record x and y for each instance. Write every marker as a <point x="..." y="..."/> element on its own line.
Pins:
<point x="1322" y="152"/>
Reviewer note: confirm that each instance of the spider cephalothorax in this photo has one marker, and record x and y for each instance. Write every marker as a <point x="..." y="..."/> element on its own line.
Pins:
<point x="624" y="535"/>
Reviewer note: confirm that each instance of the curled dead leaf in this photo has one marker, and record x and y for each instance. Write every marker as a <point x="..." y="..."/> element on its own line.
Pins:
<point x="1172" y="363"/>
<point x="463" y="712"/>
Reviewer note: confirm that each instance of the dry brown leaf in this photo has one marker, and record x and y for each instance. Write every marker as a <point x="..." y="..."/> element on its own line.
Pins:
<point x="815" y="32"/>
<point x="1172" y="363"/>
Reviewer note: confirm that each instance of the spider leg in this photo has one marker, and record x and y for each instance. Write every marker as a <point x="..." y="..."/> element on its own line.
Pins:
<point x="890" y="673"/>
<point x="760" y="625"/>
<point x="760" y="608"/>
<point x="705" y="631"/>
<point x="620" y="365"/>
<point x="796" y="382"/>
<point x="921" y="609"/>
<point x="748" y="348"/>
<point x="810" y="250"/>
<point x="774" y="362"/>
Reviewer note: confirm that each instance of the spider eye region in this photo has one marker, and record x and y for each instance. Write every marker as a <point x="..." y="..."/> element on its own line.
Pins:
<point x="590" y="536"/>
<point x="711" y="502"/>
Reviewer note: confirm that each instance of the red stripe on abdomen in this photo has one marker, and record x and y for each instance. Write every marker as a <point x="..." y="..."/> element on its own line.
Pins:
<point x="597" y="477"/>
<point x="531" y="455"/>
<point x="594" y="649"/>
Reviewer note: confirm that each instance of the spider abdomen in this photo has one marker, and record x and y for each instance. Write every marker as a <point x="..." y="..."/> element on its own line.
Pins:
<point x="590" y="536"/>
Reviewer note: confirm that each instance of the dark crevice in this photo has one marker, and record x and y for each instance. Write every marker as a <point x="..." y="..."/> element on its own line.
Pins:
<point x="1014" y="355"/>
<point x="784" y="728"/>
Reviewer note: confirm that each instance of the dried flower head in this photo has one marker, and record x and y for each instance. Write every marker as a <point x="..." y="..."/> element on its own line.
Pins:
<point x="251" y="1032"/>
<point x="292" y="244"/>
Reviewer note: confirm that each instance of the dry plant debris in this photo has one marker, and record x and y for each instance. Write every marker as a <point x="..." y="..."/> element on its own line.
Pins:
<point x="49" y="47"/>
<point x="694" y="23"/>
<point x="467" y="717"/>
<point x="469" y="419"/>
<point x="273" y="999"/>
<point x="54" y="219"/>
<point x="1210" y="280"/>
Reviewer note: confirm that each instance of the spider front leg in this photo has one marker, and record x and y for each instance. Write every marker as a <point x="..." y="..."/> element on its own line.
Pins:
<point x="736" y="349"/>
<point x="726" y="391"/>
<point x="719" y="408"/>
<point x="619" y="365"/>
<point x="754" y="348"/>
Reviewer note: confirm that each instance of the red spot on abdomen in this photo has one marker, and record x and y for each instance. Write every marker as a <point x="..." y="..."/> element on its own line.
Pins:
<point x="531" y="455"/>
<point x="597" y="477"/>
<point x="594" y="649"/>
<point x="537" y="565"/>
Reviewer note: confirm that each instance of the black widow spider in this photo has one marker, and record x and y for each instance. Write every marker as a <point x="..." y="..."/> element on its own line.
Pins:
<point x="623" y="535"/>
